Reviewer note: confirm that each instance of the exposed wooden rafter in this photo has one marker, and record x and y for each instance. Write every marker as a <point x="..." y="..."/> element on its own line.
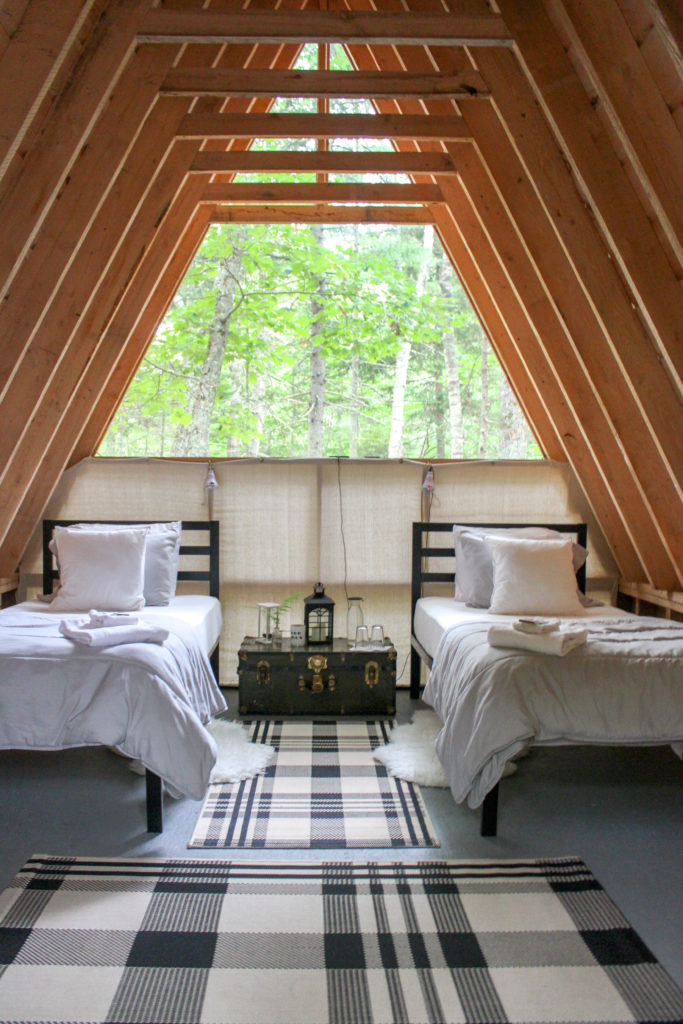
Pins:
<point x="321" y="126"/>
<point x="323" y="213"/>
<point x="255" y="161"/>
<point x="327" y="192"/>
<point x="310" y="26"/>
<point x="226" y="82"/>
<point x="543" y="142"/>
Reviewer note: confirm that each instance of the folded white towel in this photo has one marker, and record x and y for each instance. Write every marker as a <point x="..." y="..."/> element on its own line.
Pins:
<point x="110" y="636"/>
<point x="98" y="619"/>
<point x="560" y="641"/>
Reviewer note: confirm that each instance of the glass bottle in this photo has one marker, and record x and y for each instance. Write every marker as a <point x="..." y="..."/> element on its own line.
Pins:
<point x="354" y="618"/>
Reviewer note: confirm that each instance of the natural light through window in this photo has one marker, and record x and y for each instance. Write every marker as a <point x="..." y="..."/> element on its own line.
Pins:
<point x="318" y="339"/>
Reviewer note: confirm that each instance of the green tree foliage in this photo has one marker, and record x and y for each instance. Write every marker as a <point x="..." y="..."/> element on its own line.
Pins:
<point x="369" y="303"/>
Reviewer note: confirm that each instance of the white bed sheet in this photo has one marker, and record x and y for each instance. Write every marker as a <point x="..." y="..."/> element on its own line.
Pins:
<point x="150" y="701"/>
<point x="199" y="611"/>
<point x="624" y="686"/>
<point x="435" y="615"/>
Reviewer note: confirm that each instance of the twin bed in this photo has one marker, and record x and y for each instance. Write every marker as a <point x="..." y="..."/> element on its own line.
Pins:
<point x="149" y="701"/>
<point x="624" y="685"/>
<point x="152" y="701"/>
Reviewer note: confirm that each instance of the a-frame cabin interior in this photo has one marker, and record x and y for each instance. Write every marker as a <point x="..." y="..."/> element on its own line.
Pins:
<point x="543" y="139"/>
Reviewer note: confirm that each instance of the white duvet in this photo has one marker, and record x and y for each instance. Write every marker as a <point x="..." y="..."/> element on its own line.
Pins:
<point x="624" y="686"/>
<point x="149" y="701"/>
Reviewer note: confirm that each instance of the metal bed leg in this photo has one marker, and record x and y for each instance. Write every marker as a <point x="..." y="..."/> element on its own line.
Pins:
<point x="155" y="802"/>
<point x="415" y="667"/>
<point x="214" y="658"/>
<point x="489" y="813"/>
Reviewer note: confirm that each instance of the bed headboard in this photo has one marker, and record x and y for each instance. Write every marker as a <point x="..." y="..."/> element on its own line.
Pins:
<point x="208" y="551"/>
<point x="423" y="550"/>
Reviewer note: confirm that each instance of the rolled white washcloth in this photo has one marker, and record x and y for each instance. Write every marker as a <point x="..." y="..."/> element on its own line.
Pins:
<point x="98" y="619"/>
<point x="559" y="642"/>
<point x="110" y="636"/>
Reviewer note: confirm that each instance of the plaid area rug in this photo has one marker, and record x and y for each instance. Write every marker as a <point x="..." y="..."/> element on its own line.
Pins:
<point x="333" y="943"/>
<point x="322" y="790"/>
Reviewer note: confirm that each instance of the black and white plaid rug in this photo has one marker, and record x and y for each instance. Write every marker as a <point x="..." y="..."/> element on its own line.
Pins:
<point x="334" y="943"/>
<point x="322" y="790"/>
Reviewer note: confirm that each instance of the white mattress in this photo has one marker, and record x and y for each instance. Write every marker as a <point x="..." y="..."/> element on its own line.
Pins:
<point x="435" y="615"/>
<point x="198" y="611"/>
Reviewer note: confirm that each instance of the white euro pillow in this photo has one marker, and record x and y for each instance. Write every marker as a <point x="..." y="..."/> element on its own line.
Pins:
<point x="162" y="553"/>
<point x="533" y="577"/>
<point x="474" y="563"/>
<point x="102" y="570"/>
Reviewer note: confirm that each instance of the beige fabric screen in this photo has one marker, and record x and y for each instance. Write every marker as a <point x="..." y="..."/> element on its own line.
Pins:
<point x="287" y="523"/>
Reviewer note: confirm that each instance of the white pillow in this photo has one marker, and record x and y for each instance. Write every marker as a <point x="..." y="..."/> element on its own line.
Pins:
<point x="533" y="577"/>
<point x="162" y="551"/>
<point x="100" y="570"/>
<point x="474" y="564"/>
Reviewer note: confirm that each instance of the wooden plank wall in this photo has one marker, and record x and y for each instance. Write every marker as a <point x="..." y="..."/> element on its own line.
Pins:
<point x="543" y="139"/>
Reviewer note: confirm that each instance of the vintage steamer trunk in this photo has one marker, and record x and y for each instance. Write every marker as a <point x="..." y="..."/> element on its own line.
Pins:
<point x="321" y="680"/>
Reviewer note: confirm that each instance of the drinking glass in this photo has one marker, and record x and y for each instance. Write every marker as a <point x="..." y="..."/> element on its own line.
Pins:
<point x="362" y="636"/>
<point x="377" y="635"/>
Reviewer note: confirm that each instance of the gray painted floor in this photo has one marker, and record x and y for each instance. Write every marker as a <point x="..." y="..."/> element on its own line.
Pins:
<point x="618" y="809"/>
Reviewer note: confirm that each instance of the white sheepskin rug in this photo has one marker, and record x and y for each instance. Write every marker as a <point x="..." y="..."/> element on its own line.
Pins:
<point x="410" y="752"/>
<point x="238" y="758"/>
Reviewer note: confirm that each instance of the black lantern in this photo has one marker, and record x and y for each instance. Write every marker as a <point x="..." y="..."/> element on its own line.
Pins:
<point x="319" y="617"/>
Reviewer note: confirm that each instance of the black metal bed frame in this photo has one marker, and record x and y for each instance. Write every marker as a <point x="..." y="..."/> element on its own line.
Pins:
<point x="421" y="574"/>
<point x="154" y="786"/>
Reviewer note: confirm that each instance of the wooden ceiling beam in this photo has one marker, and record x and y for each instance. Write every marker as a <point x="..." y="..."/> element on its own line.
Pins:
<point x="321" y="126"/>
<point x="254" y="161"/>
<point x="294" y="83"/>
<point x="609" y="337"/>
<point x="77" y="318"/>
<point x="39" y="177"/>
<point x="47" y="264"/>
<point x="531" y="322"/>
<point x="635" y="109"/>
<point x="322" y="214"/>
<point x="125" y="241"/>
<point x="34" y="57"/>
<point x="328" y="192"/>
<point x="144" y="306"/>
<point x="586" y="432"/>
<point x="646" y="482"/>
<point x="311" y="26"/>
<point x="475" y="279"/>
<point x="497" y="153"/>
<point x="602" y="176"/>
<point x="11" y="14"/>
<point x="58" y="452"/>
<point x="668" y="17"/>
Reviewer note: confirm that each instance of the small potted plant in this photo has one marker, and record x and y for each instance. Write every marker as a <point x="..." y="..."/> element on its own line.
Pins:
<point x="277" y="613"/>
